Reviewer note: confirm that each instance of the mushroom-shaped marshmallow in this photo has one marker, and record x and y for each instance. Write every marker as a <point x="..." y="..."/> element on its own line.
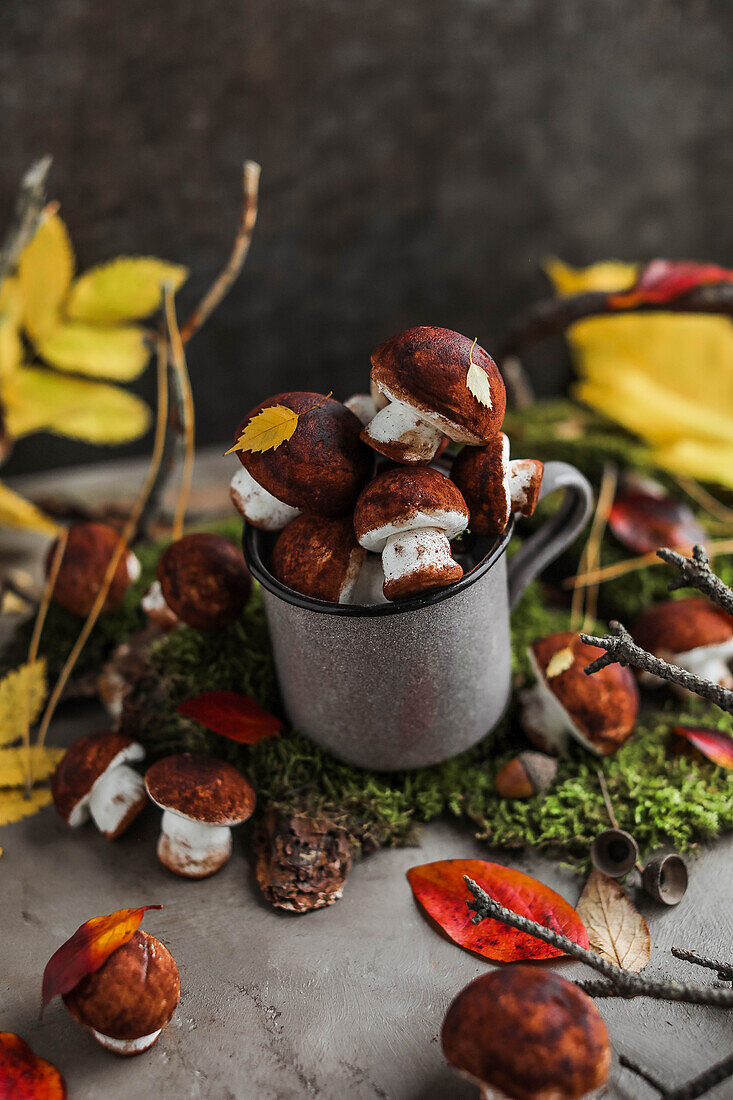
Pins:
<point x="94" y="779"/>
<point x="201" y="798"/>
<point x="521" y="1033"/>
<point x="409" y="515"/>
<point x="319" y="557"/>
<point x="691" y="633"/>
<point x="204" y="580"/>
<point x="366" y="405"/>
<point x="88" y="551"/>
<point x="423" y="372"/>
<point x="599" y="711"/>
<point x="493" y="487"/>
<point x="131" y="997"/>
<point x="322" y="468"/>
<point x="158" y="613"/>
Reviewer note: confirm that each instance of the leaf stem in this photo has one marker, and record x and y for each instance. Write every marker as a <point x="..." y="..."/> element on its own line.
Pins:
<point x="183" y="383"/>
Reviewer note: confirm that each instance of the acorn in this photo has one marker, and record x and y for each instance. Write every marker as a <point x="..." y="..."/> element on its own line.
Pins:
<point x="88" y="551"/>
<point x="526" y="775"/>
<point x="204" y="580"/>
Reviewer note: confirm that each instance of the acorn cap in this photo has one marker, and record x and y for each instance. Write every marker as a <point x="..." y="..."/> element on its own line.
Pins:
<point x="204" y="580"/>
<point x="482" y="475"/>
<point x="665" y="878"/>
<point x="407" y="498"/>
<point x="83" y="764"/>
<point x="201" y="788"/>
<point x="134" y="992"/>
<point x="527" y="1034"/>
<point x="426" y="368"/>
<point x="601" y="708"/>
<point x="324" y="465"/>
<point x="88" y="551"/>
<point x="319" y="557"/>
<point x="614" y="852"/>
<point x="678" y="626"/>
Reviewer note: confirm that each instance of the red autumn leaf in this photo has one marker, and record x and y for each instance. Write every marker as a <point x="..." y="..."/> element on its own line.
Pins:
<point x="642" y="522"/>
<point x="25" y="1076"/>
<point x="89" y="947"/>
<point x="440" y="889"/>
<point x="235" y="716"/>
<point x="665" y="280"/>
<point x="714" y="744"/>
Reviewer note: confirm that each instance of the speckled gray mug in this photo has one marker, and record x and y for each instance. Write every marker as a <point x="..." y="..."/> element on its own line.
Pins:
<point x="402" y="685"/>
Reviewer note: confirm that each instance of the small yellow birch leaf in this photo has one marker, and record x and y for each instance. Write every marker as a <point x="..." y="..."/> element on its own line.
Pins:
<point x="45" y="270"/>
<point x="13" y="764"/>
<point x="124" y="289"/>
<point x="559" y="662"/>
<point x="19" y="513"/>
<point x="477" y="381"/>
<point x="79" y="408"/>
<point x="119" y="353"/>
<point x="14" y="805"/>
<point x="266" y="431"/>
<point x="616" y="930"/>
<point x="11" y="302"/>
<point x="11" y="348"/>
<point x="22" y="694"/>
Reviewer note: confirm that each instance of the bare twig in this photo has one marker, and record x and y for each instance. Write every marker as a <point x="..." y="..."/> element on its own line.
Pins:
<point x="629" y="984"/>
<point x="28" y="211"/>
<point x="632" y="565"/>
<point x="698" y="1086"/>
<point x="183" y="389"/>
<point x="621" y="649"/>
<point x="723" y="970"/>
<point x="695" y="572"/>
<point x="585" y="603"/>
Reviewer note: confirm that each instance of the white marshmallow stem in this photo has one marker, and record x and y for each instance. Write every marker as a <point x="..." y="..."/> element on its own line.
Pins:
<point x="192" y="848"/>
<point x="402" y="426"/>
<point x="126" y="1046"/>
<point x="411" y="553"/>
<point x="113" y="796"/>
<point x="259" y="507"/>
<point x="363" y="406"/>
<point x="368" y="588"/>
<point x="134" y="568"/>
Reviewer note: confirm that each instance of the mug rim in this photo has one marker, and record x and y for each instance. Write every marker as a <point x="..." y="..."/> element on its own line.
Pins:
<point x="251" y="539"/>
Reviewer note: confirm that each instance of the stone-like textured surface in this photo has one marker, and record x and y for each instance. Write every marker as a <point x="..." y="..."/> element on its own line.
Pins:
<point x="419" y="160"/>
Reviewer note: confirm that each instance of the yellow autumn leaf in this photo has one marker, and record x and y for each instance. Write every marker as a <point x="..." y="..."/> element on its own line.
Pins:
<point x="13" y="763"/>
<point x="11" y="303"/>
<point x="95" y="412"/>
<point x="19" y="513"/>
<point x="607" y="275"/>
<point x="22" y="694"/>
<point x="14" y="806"/>
<point x="119" y="353"/>
<point x="11" y="348"/>
<point x="267" y="430"/>
<point x="124" y="289"/>
<point x="45" y="270"/>
<point x="477" y="381"/>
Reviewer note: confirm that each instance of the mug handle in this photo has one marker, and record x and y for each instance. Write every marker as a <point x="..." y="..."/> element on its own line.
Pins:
<point x="558" y="532"/>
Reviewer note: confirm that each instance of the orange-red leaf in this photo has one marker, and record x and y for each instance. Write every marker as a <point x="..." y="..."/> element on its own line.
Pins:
<point x="714" y="744"/>
<point x="664" y="280"/>
<point x="89" y="947"/>
<point x="235" y="716"/>
<point x="643" y="522"/>
<point x="25" y="1076"/>
<point x="440" y="889"/>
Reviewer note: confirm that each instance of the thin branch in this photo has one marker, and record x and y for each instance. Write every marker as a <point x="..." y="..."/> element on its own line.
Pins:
<point x="706" y="500"/>
<point x="698" y="1086"/>
<point x="695" y="572"/>
<point x="631" y="985"/>
<point x="632" y="565"/>
<point x="183" y="383"/>
<point x="723" y="970"/>
<point x="586" y="602"/>
<point x="28" y="211"/>
<point x="621" y="649"/>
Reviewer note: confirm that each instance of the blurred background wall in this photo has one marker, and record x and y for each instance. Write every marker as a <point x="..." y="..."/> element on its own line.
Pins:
<point x="419" y="160"/>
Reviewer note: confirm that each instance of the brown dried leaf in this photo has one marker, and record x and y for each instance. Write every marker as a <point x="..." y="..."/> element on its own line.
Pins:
<point x="616" y="930"/>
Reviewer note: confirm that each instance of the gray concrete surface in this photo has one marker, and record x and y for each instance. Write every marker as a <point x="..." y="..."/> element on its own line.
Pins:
<point x="345" y="1002"/>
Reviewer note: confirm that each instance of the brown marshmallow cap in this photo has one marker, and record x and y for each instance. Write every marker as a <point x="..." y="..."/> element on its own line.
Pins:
<point x="324" y="465"/>
<point x="201" y="788"/>
<point x="318" y="556"/>
<point x="528" y="1034"/>
<point x="525" y="484"/>
<point x="678" y="626"/>
<point x="204" y="580"/>
<point x="603" y="706"/>
<point x="482" y="475"/>
<point x="134" y="993"/>
<point x="89" y="548"/>
<point x="407" y="497"/>
<point x="83" y="764"/>
<point x="426" y="367"/>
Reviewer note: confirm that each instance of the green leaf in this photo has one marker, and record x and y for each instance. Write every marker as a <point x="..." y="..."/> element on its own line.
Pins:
<point x="45" y="271"/>
<point x="119" y="353"/>
<point x="122" y="290"/>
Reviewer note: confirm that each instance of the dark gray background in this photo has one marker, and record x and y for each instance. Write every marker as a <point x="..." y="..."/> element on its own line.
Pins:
<point x="419" y="160"/>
